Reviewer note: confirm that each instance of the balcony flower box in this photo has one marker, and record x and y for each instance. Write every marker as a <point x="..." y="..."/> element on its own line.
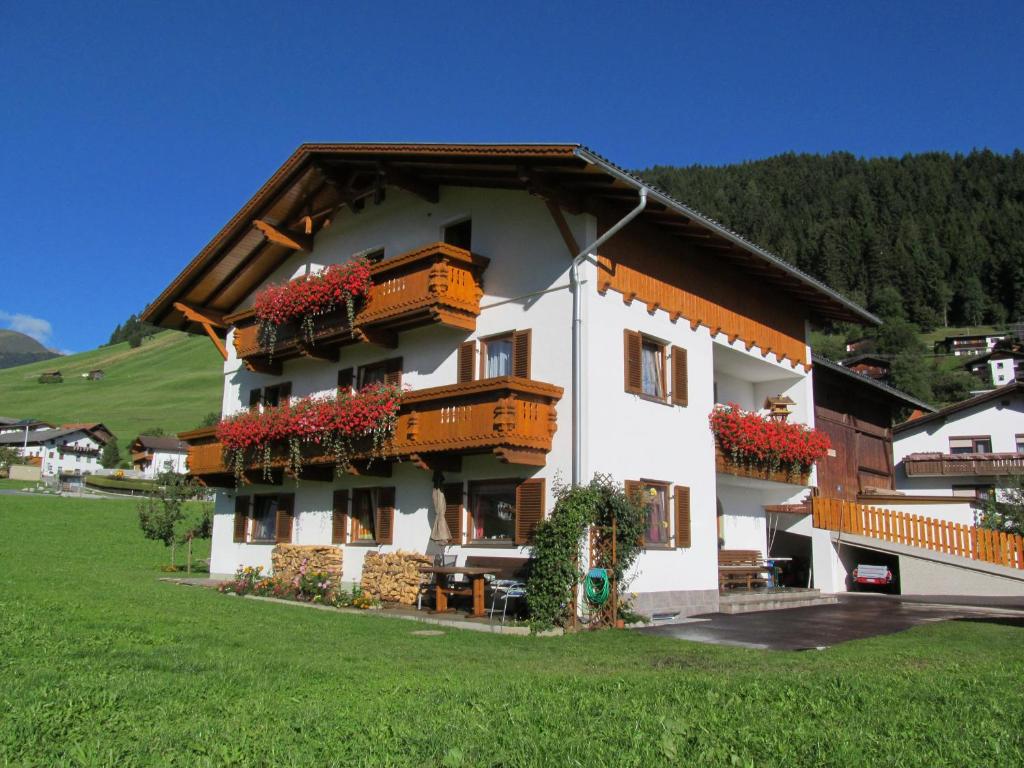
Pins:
<point x="285" y="310"/>
<point x="750" y="445"/>
<point x="340" y="426"/>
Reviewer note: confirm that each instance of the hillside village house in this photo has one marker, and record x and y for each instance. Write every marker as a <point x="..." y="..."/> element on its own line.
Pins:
<point x="997" y="368"/>
<point x="153" y="454"/>
<point x="964" y="450"/>
<point x="550" y="316"/>
<point x="71" y="450"/>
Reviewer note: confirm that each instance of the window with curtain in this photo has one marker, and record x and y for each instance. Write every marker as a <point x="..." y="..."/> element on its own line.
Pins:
<point x="655" y="498"/>
<point x="652" y="367"/>
<point x="493" y="506"/>
<point x="363" y="516"/>
<point x="372" y="374"/>
<point x="264" y="519"/>
<point x="497" y="356"/>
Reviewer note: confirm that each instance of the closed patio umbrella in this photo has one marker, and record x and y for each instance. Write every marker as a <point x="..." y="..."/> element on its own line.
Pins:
<point x="440" y="532"/>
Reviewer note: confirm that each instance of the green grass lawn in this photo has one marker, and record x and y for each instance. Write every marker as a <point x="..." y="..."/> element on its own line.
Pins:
<point x="104" y="665"/>
<point x="16" y="485"/>
<point x="172" y="381"/>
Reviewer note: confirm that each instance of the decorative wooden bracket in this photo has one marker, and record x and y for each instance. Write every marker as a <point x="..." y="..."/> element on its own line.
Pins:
<point x="563" y="228"/>
<point x="526" y="456"/>
<point x="426" y="190"/>
<point x="255" y="477"/>
<point x="375" y="468"/>
<point x="262" y="366"/>
<point x="437" y="462"/>
<point x="297" y="241"/>
<point x="536" y="184"/>
<point x="380" y="336"/>
<point x="210" y="320"/>
<point x="311" y="351"/>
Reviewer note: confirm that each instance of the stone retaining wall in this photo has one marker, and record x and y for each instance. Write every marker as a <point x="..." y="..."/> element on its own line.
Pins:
<point x="394" y="577"/>
<point x="287" y="559"/>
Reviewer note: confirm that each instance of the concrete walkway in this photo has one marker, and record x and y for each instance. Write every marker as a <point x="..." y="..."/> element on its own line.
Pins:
<point x="854" y="617"/>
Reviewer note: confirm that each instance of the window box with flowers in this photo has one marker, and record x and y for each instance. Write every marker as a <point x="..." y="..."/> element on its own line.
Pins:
<point x="293" y="308"/>
<point x="337" y="427"/>
<point x="750" y="445"/>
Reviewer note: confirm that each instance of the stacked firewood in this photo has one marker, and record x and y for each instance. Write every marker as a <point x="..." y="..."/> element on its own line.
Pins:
<point x="394" y="577"/>
<point x="288" y="560"/>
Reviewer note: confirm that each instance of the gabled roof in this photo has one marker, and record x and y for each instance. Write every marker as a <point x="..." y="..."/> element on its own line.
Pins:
<point x="889" y="392"/>
<point x="7" y="423"/>
<point x="1014" y="388"/>
<point x="318" y="179"/>
<point x="866" y="358"/>
<point x="165" y="443"/>
<point x="37" y="436"/>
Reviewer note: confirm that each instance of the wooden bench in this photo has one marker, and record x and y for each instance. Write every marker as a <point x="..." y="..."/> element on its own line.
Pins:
<point x="741" y="568"/>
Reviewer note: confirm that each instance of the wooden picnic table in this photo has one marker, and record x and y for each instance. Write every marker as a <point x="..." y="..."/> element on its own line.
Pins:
<point x="442" y="590"/>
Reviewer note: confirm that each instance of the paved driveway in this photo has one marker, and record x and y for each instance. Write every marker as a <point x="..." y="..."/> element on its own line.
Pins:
<point x="852" y="618"/>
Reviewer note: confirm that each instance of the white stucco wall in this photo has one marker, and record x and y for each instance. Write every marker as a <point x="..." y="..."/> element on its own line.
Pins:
<point x="526" y="286"/>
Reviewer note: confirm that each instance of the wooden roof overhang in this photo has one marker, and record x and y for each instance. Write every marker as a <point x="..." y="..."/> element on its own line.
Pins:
<point x="319" y="182"/>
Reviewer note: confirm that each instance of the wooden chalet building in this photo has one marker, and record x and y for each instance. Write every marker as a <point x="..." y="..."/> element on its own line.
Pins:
<point x="550" y="316"/>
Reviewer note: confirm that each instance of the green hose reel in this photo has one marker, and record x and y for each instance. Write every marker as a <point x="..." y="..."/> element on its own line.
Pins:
<point x="597" y="586"/>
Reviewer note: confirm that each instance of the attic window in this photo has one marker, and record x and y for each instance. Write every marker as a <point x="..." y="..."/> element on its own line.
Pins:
<point x="459" y="234"/>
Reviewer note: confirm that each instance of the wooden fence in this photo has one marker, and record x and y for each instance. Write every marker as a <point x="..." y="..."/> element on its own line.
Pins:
<point x="918" y="531"/>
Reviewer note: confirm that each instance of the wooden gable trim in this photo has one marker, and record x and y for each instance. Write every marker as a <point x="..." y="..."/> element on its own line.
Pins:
<point x="644" y="265"/>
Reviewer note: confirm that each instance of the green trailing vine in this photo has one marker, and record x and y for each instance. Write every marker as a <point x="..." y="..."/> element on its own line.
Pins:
<point x="556" y="566"/>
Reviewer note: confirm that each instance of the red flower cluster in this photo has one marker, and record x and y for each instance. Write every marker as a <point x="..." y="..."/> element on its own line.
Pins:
<point x="314" y="294"/>
<point x="329" y="422"/>
<point x="748" y="438"/>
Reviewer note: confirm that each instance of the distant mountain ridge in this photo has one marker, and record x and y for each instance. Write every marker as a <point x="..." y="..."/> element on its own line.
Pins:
<point x="19" y="349"/>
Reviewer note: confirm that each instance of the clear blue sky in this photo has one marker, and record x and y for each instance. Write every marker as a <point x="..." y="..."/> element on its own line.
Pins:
<point x="132" y="131"/>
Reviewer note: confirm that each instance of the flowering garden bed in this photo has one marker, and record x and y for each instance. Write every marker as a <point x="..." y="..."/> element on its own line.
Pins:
<point x="305" y="587"/>
<point x="302" y="300"/>
<point x="752" y="445"/>
<point x="338" y="426"/>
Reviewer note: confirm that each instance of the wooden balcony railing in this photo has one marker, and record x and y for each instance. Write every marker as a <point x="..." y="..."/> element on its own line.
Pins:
<point x="962" y="464"/>
<point x="437" y="284"/>
<point x="725" y="464"/>
<point x="512" y="418"/>
<point x="930" y="533"/>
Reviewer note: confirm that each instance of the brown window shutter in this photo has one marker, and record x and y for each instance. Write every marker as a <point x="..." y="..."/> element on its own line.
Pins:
<point x="285" y="517"/>
<point x="521" y="354"/>
<point x="386" y="516"/>
<point x="241" y="518"/>
<point x="346" y="378"/>
<point x="680" y="377"/>
<point x="255" y="396"/>
<point x="467" y="353"/>
<point x="529" y="509"/>
<point x="683" y="516"/>
<point x="284" y="392"/>
<point x="632" y="488"/>
<point x="453" y="510"/>
<point x="393" y="372"/>
<point x="633" y="360"/>
<point x="339" y="517"/>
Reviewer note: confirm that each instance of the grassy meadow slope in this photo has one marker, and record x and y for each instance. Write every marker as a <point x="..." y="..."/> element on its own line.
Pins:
<point x="172" y="381"/>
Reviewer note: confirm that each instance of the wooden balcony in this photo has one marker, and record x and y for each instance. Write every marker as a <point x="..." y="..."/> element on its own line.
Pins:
<point x="511" y="418"/>
<point x="438" y="284"/>
<point x="725" y="464"/>
<point x="963" y="464"/>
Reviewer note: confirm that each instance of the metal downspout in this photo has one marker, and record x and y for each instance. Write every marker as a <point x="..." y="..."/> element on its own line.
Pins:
<point x="577" y="335"/>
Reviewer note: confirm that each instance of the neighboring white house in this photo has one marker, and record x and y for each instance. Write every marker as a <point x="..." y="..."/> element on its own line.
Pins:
<point x="10" y="425"/>
<point x="67" y="451"/>
<point x="473" y="314"/>
<point x="964" y="450"/>
<point x="152" y="454"/>
<point x="998" y="367"/>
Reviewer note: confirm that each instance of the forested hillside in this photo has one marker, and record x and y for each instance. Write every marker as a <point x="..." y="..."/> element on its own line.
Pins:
<point x="935" y="238"/>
